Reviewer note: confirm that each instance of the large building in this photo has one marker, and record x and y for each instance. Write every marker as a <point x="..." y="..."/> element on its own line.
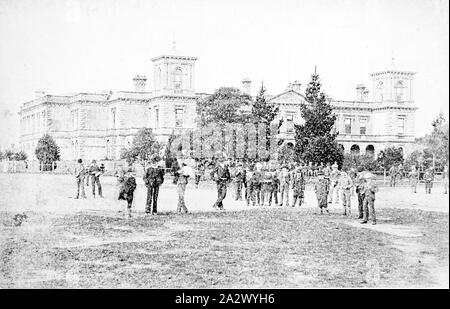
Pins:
<point x="99" y="125"/>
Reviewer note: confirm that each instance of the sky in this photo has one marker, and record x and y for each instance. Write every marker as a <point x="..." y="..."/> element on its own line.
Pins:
<point x="67" y="46"/>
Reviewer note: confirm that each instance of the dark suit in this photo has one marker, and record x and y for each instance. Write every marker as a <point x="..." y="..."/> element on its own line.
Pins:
<point x="221" y="176"/>
<point x="127" y="191"/>
<point x="153" y="178"/>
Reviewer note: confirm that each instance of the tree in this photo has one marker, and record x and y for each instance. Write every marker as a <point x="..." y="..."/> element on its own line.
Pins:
<point x="390" y="156"/>
<point x="437" y="141"/>
<point x="143" y="147"/>
<point x="286" y="154"/>
<point x="8" y="154"/>
<point x="263" y="110"/>
<point x="20" y="156"/>
<point x="315" y="140"/>
<point x="365" y="162"/>
<point x="47" y="151"/>
<point x="168" y="155"/>
<point x="223" y="106"/>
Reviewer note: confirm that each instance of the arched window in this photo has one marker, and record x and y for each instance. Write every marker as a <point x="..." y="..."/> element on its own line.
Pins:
<point x="354" y="150"/>
<point x="159" y="77"/>
<point x="380" y="89"/>
<point x="178" y="79"/>
<point x="370" y="150"/>
<point x="399" y="91"/>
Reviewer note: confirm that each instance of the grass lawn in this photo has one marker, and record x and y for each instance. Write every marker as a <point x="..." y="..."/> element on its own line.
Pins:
<point x="255" y="248"/>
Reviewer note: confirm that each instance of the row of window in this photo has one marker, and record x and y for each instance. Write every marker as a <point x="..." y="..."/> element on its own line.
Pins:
<point x="34" y="122"/>
<point x="398" y="88"/>
<point x="401" y="121"/>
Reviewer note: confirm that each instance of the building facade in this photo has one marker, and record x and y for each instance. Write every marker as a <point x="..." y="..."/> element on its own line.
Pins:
<point x="100" y="125"/>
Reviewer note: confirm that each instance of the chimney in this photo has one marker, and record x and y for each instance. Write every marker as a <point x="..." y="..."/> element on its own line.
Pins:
<point x="39" y="93"/>
<point x="139" y="83"/>
<point x="246" y="85"/>
<point x="361" y="92"/>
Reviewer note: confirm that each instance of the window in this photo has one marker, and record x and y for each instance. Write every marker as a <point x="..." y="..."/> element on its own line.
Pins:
<point x="399" y="91"/>
<point x="401" y="125"/>
<point x="156" y="117"/>
<point x="113" y="117"/>
<point x="178" y="79"/>
<point x="289" y="123"/>
<point x="75" y="119"/>
<point x="348" y="126"/>
<point x="379" y="91"/>
<point x="179" y="117"/>
<point x="362" y="126"/>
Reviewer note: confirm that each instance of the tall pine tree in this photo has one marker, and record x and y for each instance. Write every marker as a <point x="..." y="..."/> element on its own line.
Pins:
<point x="315" y="139"/>
<point x="264" y="112"/>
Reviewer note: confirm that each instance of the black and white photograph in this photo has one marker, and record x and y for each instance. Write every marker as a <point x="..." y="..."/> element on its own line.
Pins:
<point x="224" y="145"/>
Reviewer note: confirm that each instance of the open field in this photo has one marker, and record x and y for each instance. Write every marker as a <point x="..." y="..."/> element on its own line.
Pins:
<point x="49" y="240"/>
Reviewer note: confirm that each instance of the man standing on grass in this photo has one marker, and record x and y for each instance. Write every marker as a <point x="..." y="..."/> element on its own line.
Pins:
<point x="321" y="188"/>
<point x="239" y="177"/>
<point x="370" y="189"/>
<point x="413" y="179"/>
<point x="360" y="183"/>
<point x="274" y="187"/>
<point x="80" y="172"/>
<point x="285" y="180"/>
<point x="333" y="196"/>
<point x="127" y="190"/>
<point x="153" y="179"/>
<point x="346" y="185"/>
<point x="182" y="182"/>
<point x="298" y="187"/>
<point x="95" y="172"/>
<point x="428" y="177"/>
<point x="221" y="175"/>
<point x="393" y="176"/>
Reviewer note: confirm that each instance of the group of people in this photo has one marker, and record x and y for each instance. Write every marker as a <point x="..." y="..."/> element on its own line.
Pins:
<point x="92" y="173"/>
<point x="256" y="183"/>
<point x="413" y="177"/>
<point x="263" y="183"/>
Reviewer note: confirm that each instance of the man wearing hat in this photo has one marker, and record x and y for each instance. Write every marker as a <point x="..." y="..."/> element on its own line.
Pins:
<point x="360" y="183"/>
<point x="80" y="173"/>
<point x="333" y="196"/>
<point x="95" y="172"/>
<point x="127" y="190"/>
<point x="285" y="181"/>
<point x="274" y="187"/>
<point x="239" y="178"/>
<point x="393" y="173"/>
<point x="321" y="188"/>
<point x="183" y="176"/>
<point x="153" y="179"/>
<point x="298" y="186"/>
<point x="370" y="188"/>
<point x="413" y="179"/>
<point x="345" y="185"/>
<point x="221" y="175"/>
<point x="428" y="177"/>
